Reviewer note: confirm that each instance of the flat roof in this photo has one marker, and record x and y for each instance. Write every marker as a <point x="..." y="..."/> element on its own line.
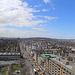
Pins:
<point x="48" y="55"/>
<point x="72" y="62"/>
<point x="74" y="66"/>
<point x="51" y="49"/>
<point x="58" y="57"/>
<point x="65" y="60"/>
<point x="9" y="53"/>
<point x="48" y="49"/>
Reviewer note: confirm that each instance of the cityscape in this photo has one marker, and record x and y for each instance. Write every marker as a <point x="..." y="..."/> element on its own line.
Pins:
<point x="37" y="56"/>
<point x="37" y="37"/>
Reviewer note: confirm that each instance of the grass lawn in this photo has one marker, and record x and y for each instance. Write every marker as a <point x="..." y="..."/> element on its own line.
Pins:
<point x="16" y="67"/>
<point x="4" y="71"/>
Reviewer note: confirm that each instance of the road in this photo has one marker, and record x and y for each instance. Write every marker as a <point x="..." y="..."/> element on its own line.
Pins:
<point x="27" y="59"/>
<point x="31" y="62"/>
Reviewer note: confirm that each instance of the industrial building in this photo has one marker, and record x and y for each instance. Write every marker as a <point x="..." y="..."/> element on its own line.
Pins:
<point x="9" y="56"/>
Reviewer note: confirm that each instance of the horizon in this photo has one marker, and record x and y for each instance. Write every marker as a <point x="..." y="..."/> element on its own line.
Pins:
<point x="43" y="18"/>
<point x="34" y="38"/>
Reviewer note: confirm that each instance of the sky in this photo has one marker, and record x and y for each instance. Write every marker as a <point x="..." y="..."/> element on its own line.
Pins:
<point x="37" y="18"/>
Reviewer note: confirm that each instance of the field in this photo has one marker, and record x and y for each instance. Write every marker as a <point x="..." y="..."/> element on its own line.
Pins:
<point x="4" y="71"/>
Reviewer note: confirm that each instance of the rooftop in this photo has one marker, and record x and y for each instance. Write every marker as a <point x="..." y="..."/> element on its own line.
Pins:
<point x="48" y="49"/>
<point x="51" y="49"/>
<point x="48" y="55"/>
<point x="41" y="58"/>
<point x="9" y="53"/>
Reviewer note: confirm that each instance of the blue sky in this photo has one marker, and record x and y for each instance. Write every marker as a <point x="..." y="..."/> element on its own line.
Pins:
<point x="37" y="18"/>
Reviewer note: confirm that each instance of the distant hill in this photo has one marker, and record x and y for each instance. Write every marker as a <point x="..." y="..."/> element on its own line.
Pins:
<point x="34" y="38"/>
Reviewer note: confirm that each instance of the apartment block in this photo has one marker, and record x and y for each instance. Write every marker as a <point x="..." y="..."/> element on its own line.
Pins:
<point x="59" y="66"/>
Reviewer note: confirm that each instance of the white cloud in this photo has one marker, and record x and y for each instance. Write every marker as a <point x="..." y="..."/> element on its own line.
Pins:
<point x="44" y="10"/>
<point x="37" y="5"/>
<point x="17" y="13"/>
<point x="54" y="8"/>
<point x="41" y="25"/>
<point x="50" y="17"/>
<point x="51" y="3"/>
<point x="5" y="32"/>
<point x="46" y="1"/>
<point x="40" y="29"/>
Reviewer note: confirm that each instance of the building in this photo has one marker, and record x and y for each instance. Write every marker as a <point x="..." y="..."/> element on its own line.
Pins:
<point x="59" y="66"/>
<point x="9" y="56"/>
<point x="43" y="61"/>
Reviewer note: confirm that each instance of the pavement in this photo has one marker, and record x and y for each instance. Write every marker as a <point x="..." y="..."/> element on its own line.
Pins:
<point x="27" y="58"/>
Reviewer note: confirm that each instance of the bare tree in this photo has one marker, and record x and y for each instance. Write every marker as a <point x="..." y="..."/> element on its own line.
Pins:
<point x="21" y="62"/>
